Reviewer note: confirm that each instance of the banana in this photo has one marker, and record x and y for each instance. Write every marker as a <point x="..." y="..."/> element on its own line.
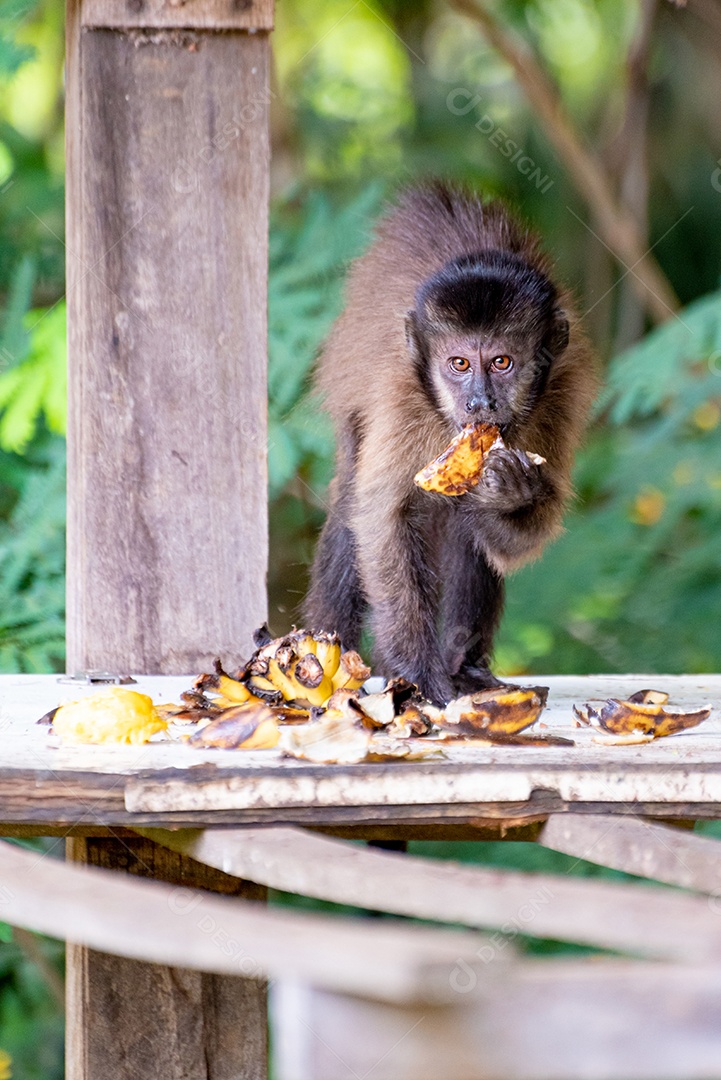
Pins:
<point x="265" y="688"/>
<point x="304" y="666"/>
<point x="327" y="649"/>
<point x="287" y="685"/>
<point x="351" y="673"/>
<point x="222" y="683"/>
<point x="315" y="686"/>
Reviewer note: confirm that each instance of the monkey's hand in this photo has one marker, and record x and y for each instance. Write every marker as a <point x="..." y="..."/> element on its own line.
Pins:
<point x="510" y="481"/>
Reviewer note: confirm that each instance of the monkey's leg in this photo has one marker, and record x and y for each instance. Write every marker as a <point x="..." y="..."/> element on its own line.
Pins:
<point x="335" y="600"/>
<point x="473" y="596"/>
<point x="401" y="584"/>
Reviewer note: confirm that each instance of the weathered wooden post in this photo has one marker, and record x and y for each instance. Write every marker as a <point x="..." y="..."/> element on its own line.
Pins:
<point x="167" y="147"/>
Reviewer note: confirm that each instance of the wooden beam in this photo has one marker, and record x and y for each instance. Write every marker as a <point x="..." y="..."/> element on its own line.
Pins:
<point x="638" y="847"/>
<point x="659" y="922"/>
<point x="128" y="1019"/>
<point x="167" y="272"/>
<point x="180" y="923"/>
<point x="536" y="1020"/>
<point x="167" y="202"/>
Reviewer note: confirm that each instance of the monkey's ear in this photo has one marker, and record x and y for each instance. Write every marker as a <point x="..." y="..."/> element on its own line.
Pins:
<point x="558" y="332"/>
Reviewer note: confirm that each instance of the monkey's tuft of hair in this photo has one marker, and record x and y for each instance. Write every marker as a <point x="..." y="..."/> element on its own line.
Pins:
<point x="452" y="316"/>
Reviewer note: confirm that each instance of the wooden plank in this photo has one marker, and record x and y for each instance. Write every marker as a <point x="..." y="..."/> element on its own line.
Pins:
<point x="638" y="847"/>
<point x="202" y="1023"/>
<point x="172" y="14"/>
<point x="680" y="769"/>
<point x="180" y="924"/>
<point x="648" y="922"/>
<point x="167" y="263"/>
<point x="167" y="517"/>
<point x="41" y="782"/>
<point x="538" y="1020"/>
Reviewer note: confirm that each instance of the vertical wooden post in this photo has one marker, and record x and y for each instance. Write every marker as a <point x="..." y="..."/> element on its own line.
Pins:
<point x="167" y="193"/>
<point x="167" y="285"/>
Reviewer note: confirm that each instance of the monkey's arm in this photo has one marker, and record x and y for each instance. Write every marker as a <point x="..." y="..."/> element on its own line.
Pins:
<point x="519" y="507"/>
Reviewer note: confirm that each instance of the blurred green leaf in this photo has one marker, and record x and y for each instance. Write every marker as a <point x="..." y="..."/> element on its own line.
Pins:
<point x="36" y="388"/>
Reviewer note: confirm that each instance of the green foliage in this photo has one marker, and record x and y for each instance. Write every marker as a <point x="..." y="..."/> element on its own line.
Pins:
<point x="34" y="389"/>
<point x="31" y="1025"/>
<point x="13" y="54"/>
<point x="32" y="564"/>
<point x="311" y="245"/>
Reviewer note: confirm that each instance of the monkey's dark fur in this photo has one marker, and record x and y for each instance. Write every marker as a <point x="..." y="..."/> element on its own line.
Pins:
<point x="448" y="282"/>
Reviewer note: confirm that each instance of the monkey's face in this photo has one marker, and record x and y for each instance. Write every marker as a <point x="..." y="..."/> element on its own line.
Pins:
<point x="482" y="335"/>
<point x="487" y="379"/>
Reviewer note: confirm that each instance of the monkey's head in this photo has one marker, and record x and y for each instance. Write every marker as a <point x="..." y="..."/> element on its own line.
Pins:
<point x="483" y="334"/>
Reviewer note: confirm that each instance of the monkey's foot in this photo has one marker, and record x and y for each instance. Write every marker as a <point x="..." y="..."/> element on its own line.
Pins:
<point x="469" y="679"/>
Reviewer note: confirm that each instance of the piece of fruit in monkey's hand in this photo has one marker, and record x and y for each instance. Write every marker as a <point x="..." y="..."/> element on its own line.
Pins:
<point x="458" y="469"/>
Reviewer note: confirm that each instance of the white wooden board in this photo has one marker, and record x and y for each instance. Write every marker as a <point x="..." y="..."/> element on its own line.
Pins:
<point x="154" y="778"/>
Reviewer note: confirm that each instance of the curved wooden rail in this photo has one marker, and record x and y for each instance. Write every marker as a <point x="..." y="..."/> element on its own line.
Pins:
<point x="647" y="921"/>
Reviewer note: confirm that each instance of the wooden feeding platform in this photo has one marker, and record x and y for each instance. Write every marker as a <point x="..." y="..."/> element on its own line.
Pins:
<point x="470" y="792"/>
<point x="354" y="996"/>
<point x="167" y="216"/>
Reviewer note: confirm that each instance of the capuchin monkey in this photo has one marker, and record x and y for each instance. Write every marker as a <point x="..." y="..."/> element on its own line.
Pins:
<point x="451" y="318"/>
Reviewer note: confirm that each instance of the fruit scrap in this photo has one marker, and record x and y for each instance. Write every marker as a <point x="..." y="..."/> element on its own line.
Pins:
<point x="641" y="718"/>
<point x="382" y="748"/>
<point x="504" y="710"/>
<point x="223" y="684"/>
<point x="336" y="739"/>
<point x="376" y="710"/>
<point x="459" y="467"/>
<point x="114" y="715"/>
<point x="500" y="738"/>
<point x="649" y="697"/>
<point x="412" y="721"/>
<point x="332" y="739"/>
<point x="351" y="673"/>
<point x="241" y="728"/>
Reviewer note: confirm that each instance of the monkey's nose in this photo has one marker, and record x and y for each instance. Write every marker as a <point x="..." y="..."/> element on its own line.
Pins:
<point x="475" y="403"/>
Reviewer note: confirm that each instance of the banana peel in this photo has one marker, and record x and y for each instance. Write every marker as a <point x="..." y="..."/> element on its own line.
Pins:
<point x="504" y="710"/>
<point x="240" y="728"/>
<point x="640" y="720"/>
<point x="459" y="467"/>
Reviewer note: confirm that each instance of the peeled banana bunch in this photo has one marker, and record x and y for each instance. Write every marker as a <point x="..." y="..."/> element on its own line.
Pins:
<point x="302" y="667"/>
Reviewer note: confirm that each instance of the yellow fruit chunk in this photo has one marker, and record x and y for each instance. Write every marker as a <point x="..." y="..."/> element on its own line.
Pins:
<point x="459" y="467"/>
<point x="351" y="673"/>
<point x="115" y="715"/>
<point x="241" y="728"/>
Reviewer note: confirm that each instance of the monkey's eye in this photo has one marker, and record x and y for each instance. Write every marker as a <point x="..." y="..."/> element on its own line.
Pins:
<point x="459" y="364"/>
<point x="502" y="363"/>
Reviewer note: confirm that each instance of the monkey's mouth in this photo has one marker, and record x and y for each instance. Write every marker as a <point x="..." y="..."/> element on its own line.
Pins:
<point x="489" y="419"/>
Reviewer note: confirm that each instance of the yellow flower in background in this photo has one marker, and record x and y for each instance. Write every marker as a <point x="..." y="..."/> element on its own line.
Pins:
<point x="707" y="416"/>
<point x="5" y="1066"/>
<point x="648" y="506"/>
